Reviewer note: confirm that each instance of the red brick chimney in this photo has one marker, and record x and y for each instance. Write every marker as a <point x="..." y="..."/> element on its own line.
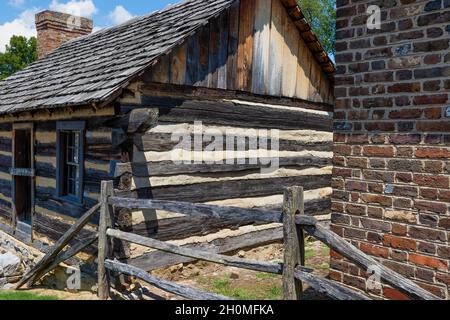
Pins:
<point x="55" y="28"/>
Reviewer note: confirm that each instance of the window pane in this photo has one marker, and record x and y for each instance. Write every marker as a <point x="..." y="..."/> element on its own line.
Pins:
<point x="71" y="169"/>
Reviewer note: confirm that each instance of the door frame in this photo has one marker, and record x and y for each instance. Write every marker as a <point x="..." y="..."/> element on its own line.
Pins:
<point x="30" y="173"/>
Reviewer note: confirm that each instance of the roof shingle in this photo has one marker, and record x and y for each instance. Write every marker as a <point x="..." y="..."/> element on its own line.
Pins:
<point x="92" y="68"/>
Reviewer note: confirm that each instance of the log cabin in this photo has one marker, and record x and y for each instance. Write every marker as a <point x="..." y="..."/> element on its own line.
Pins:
<point x="105" y="106"/>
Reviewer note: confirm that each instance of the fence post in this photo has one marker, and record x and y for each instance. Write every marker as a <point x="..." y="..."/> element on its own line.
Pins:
<point x="104" y="244"/>
<point x="294" y="247"/>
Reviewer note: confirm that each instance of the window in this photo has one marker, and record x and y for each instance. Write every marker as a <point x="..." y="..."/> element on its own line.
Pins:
<point x="70" y="160"/>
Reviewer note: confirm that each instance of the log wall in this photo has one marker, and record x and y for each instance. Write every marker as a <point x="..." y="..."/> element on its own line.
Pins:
<point x="53" y="216"/>
<point x="305" y="152"/>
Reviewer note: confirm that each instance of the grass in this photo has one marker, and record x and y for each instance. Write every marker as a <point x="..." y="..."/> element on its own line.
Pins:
<point x="254" y="291"/>
<point x="267" y="276"/>
<point x="22" y="295"/>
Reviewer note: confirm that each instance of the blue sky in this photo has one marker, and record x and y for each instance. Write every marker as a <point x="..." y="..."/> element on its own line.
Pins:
<point x="17" y="16"/>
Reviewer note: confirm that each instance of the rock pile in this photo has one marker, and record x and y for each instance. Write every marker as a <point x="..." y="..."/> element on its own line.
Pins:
<point x="15" y="260"/>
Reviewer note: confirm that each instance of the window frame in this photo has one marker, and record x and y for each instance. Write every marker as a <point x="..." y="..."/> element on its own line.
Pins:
<point x="61" y="128"/>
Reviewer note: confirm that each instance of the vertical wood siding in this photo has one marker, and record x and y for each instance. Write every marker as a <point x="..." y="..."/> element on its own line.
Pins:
<point x="254" y="47"/>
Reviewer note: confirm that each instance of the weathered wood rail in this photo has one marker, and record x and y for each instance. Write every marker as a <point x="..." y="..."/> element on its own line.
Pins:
<point x="295" y="224"/>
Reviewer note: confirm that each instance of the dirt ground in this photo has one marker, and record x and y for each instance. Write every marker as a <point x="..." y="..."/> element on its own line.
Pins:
<point x="229" y="281"/>
<point x="246" y="284"/>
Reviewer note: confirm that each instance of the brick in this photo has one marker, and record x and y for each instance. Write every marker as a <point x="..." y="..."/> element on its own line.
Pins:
<point x="394" y="294"/>
<point x="431" y="180"/>
<point x="430" y="99"/>
<point x="400" y="215"/>
<point x="432" y="153"/>
<point x="403" y="269"/>
<point x="443" y="252"/>
<point x="377" y="198"/>
<point x="355" y="209"/>
<point x="378" y="151"/>
<point x="376" y="251"/>
<point x="426" y="247"/>
<point x="375" y="225"/>
<point x="444" y="223"/>
<point x="356" y="186"/>
<point x="399" y="243"/>
<point x="426" y="234"/>
<point x="428" y="261"/>
<point x="428" y="206"/>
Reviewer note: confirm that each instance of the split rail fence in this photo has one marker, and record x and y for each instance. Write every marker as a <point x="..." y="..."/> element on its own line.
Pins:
<point x="294" y="273"/>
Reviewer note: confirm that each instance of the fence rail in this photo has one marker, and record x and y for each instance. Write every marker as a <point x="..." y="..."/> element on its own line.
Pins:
<point x="293" y="271"/>
<point x="295" y="223"/>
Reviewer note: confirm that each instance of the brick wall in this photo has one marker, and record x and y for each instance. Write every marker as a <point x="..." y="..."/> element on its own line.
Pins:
<point x="56" y="28"/>
<point x="391" y="178"/>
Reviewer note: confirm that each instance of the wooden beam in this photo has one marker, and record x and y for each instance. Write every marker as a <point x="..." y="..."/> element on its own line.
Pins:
<point x="158" y="259"/>
<point x="105" y="249"/>
<point x="228" y="189"/>
<point x="237" y="114"/>
<point x="168" y="286"/>
<point x="198" y="254"/>
<point x="330" y="288"/>
<point x="200" y="93"/>
<point x="139" y="169"/>
<point x="59" y="245"/>
<point x="364" y="261"/>
<point x="293" y="240"/>
<point x="69" y="253"/>
<point x="198" y="210"/>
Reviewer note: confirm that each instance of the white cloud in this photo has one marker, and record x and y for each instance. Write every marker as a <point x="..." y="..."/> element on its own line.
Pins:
<point x="83" y="8"/>
<point x="119" y="15"/>
<point x="21" y="26"/>
<point x="16" y="3"/>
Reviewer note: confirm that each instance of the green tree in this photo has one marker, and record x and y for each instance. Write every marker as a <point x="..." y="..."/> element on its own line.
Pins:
<point x="321" y="14"/>
<point x="18" y="54"/>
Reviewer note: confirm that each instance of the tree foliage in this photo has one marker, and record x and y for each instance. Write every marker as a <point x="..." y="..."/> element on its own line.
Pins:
<point x="18" y="54"/>
<point x="321" y="14"/>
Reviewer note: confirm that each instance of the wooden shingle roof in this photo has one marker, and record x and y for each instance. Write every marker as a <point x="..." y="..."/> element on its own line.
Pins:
<point x="92" y="69"/>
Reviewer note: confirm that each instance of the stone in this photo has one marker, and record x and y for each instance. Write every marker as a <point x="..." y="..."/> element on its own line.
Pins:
<point x="10" y="264"/>
<point x="241" y="254"/>
<point x="234" y="276"/>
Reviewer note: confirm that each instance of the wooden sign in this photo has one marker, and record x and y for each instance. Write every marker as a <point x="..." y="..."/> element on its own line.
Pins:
<point x="22" y="172"/>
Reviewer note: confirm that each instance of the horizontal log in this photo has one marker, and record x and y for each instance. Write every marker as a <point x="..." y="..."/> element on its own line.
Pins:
<point x="170" y="168"/>
<point x="198" y="254"/>
<point x="183" y="227"/>
<point x="330" y="288"/>
<point x="190" y="92"/>
<point x="222" y="190"/>
<point x="61" y="206"/>
<point x="237" y="114"/>
<point x="364" y="261"/>
<point x="157" y="259"/>
<point x="162" y="142"/>
<point x="54" y="229"/>
<point x="205" y="210"/>
<point x="165" y="285"/>
<point x="198" y="210"/>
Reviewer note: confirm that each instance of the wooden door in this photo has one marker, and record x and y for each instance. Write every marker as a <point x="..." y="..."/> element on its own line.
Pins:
<point x="22" y="173"/>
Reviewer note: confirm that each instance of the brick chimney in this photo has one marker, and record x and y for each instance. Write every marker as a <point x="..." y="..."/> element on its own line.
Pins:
<point x="55" y="28"/>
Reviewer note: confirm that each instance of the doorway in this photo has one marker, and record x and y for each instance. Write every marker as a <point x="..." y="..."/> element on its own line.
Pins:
<point x="22" y="173"/>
